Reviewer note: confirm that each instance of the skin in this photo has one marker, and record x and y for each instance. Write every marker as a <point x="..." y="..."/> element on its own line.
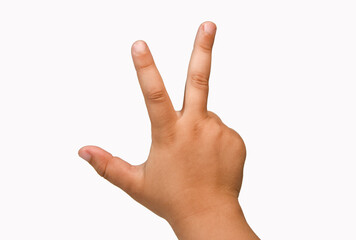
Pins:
<point x="193" y="174"/>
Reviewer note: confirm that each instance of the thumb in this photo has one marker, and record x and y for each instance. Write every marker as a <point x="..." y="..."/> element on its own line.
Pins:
<point x="117" y="171"/>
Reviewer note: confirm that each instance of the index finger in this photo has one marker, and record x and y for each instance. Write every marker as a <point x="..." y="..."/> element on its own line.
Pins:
<point x="158" y="103"/>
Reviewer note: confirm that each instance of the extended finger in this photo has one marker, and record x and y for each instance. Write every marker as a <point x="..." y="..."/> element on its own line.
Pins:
<point x="159" y="105"/>
<point x="197" y="85"/>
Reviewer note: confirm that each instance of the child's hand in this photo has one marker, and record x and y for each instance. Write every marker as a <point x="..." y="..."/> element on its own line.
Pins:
<point x="194" y="171"/>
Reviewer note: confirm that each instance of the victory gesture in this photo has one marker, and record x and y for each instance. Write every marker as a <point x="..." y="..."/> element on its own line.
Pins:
<point x="193" y="173"/>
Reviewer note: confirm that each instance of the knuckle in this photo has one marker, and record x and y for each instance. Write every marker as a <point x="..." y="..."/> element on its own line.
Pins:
<point x="135" y="187"/>
<point x="143" y="66"/>
<point x="130" y="187"/>
<point x="238" y="141"/>
<point x="212" y="128"/>
<point x="235" y="135"/>
<point x="216" y="128"/>
<point x="214" y="116"/>
<point x="199" y="80"/>
<point x="156" y="95"/>
<point x="102" y="170"/>
<point x="205" y="47"/>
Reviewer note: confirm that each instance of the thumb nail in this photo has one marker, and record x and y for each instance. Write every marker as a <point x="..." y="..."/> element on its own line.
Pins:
<point x="85" y="155"/>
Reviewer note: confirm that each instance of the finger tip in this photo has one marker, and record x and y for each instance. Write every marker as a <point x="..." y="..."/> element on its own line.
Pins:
<point x="139" y="47"/>
<point x="84" y="148"/>
<point x="88" y="148"/>
<point x="84" y="153"/>
<point x="209" y="27"/>
<point x="210" y="23"/>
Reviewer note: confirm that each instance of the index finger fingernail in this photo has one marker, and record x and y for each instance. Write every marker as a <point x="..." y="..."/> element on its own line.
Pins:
<point x="209" y="28"/>
<point x="139" y="47"/>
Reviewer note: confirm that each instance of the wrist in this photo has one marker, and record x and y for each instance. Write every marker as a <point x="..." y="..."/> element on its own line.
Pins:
<point x="220" y="219"/>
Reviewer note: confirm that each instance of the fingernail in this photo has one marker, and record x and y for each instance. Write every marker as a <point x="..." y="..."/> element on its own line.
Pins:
<point x="139" y="47"/>
<point x="209" y="28"/>
<point x="85" y="155"/>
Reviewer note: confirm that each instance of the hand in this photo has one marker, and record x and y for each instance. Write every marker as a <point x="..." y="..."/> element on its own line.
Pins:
<point x="195" y="165"/>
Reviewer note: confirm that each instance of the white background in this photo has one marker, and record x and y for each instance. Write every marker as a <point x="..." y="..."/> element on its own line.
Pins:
<point x="283" y="76"/>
